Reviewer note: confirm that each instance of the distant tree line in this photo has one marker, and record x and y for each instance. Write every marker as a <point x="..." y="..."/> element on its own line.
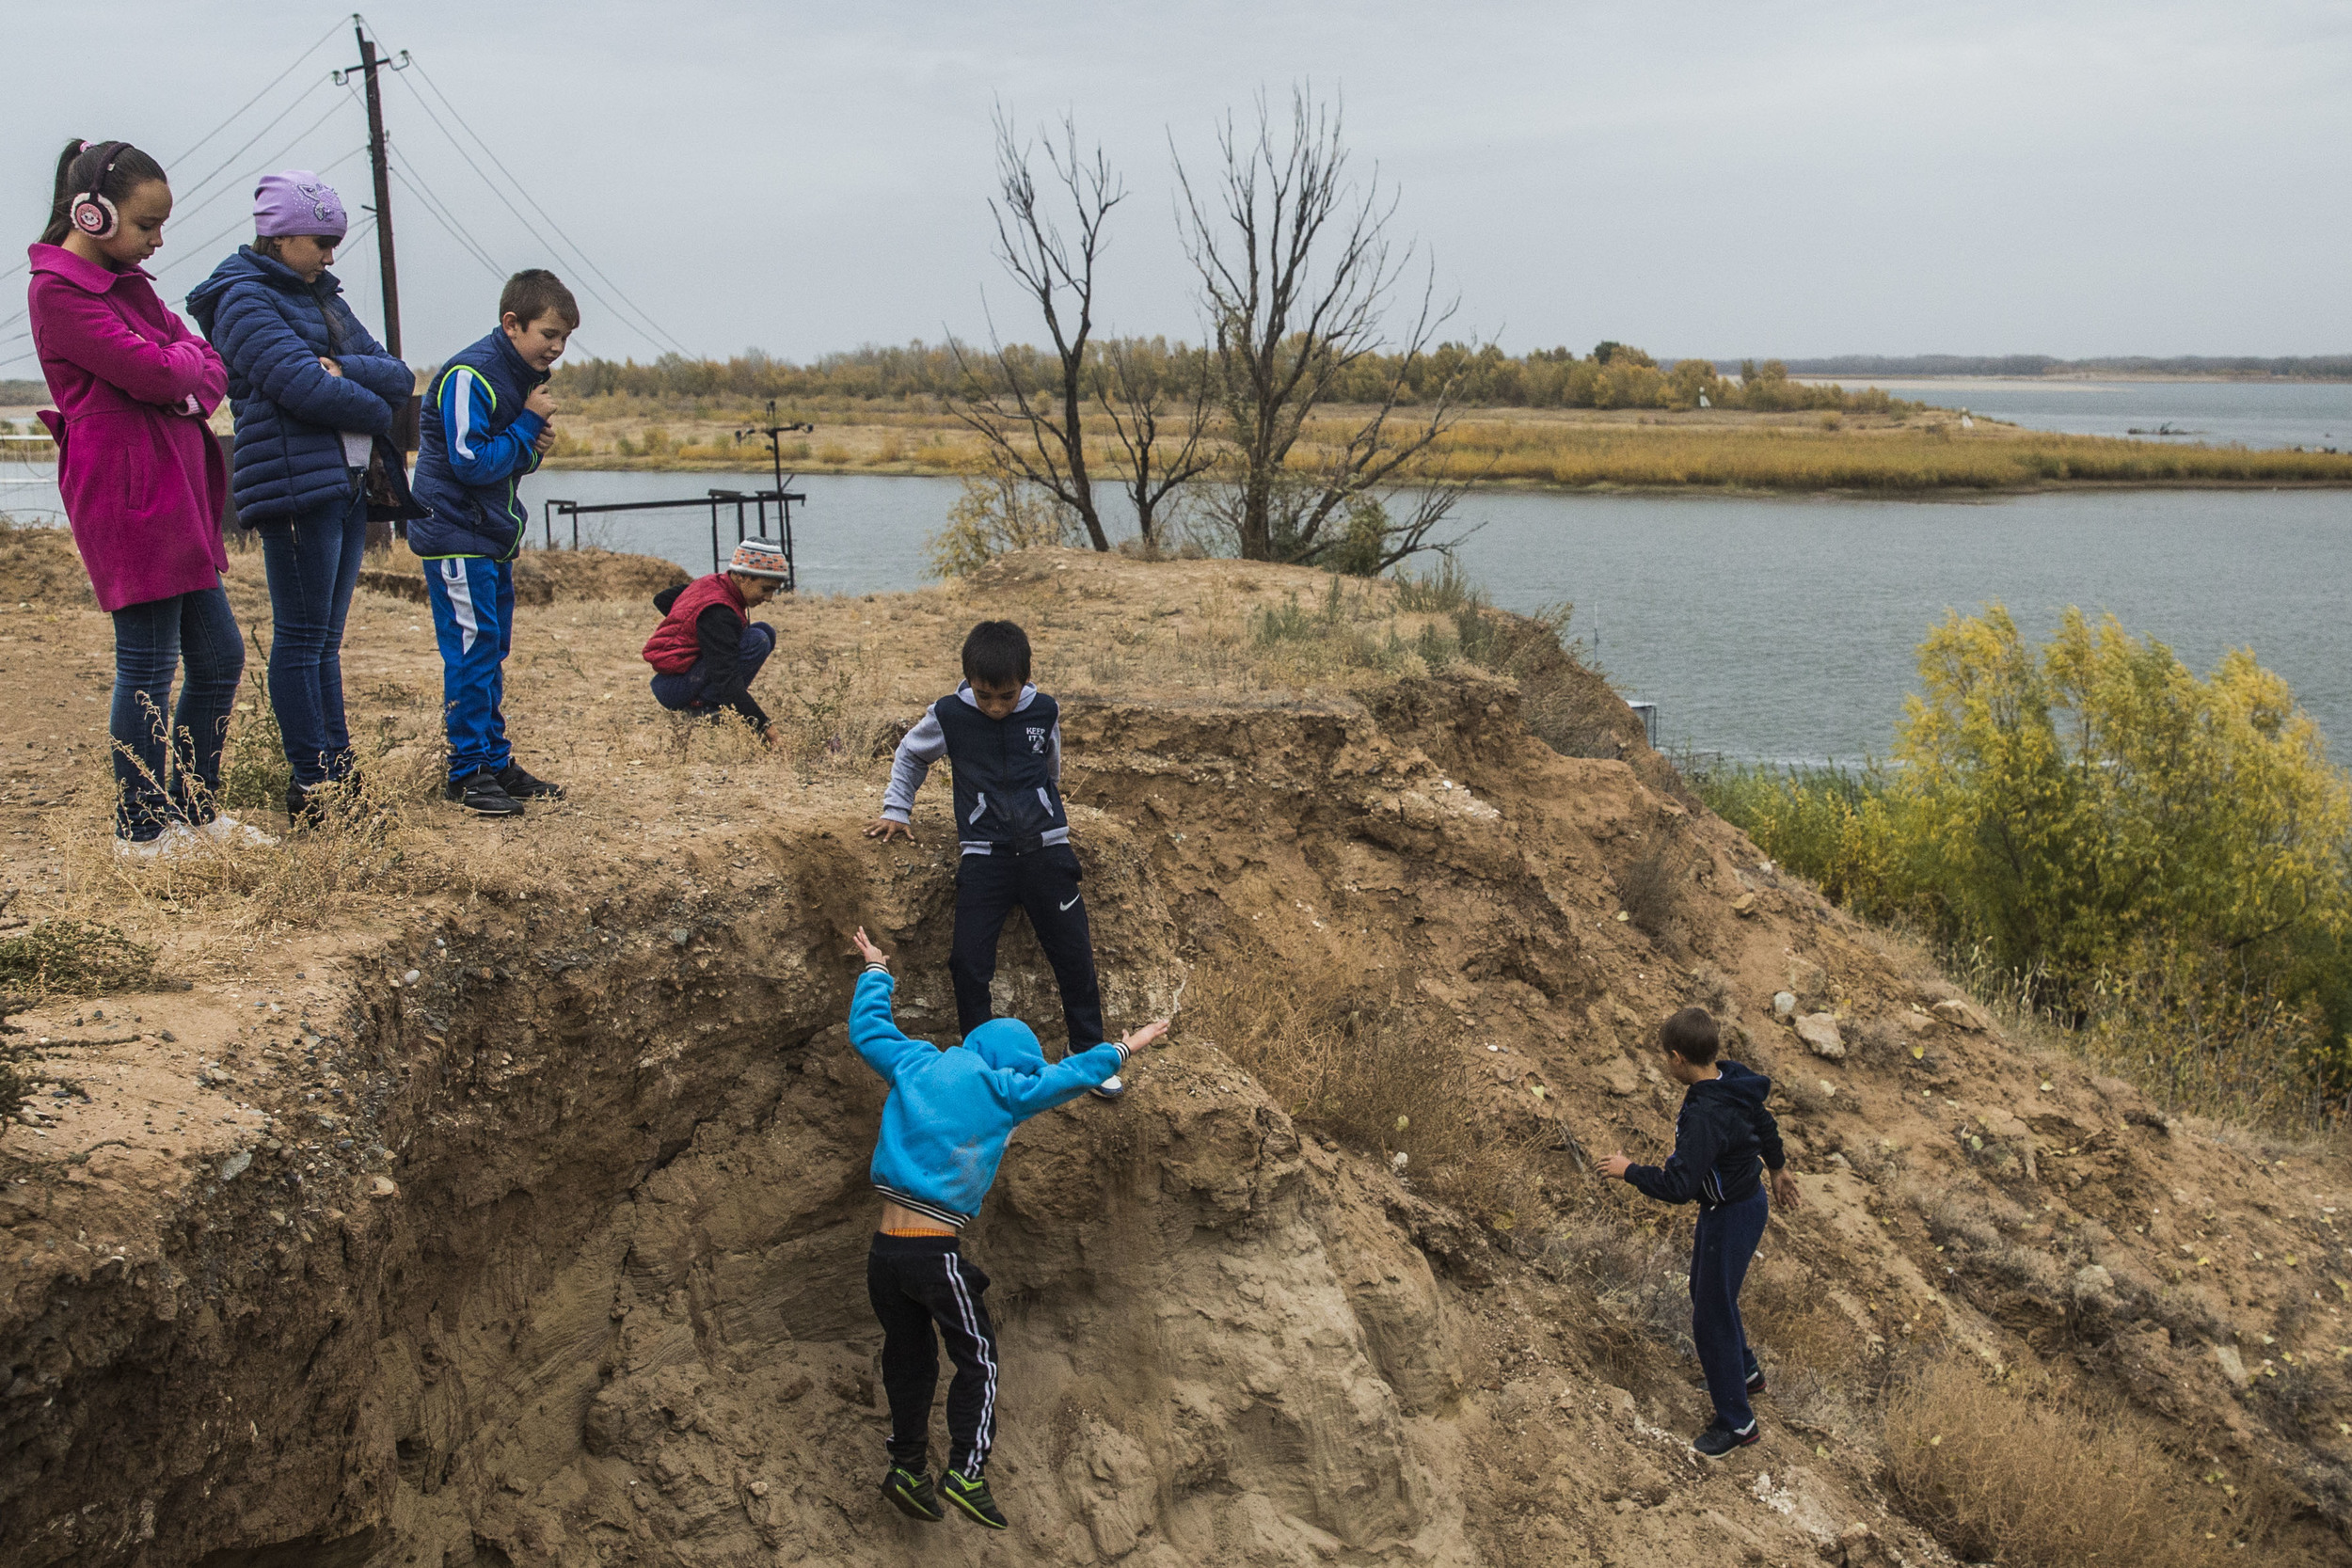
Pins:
<point x="1612" y="375"/>
<point x="2323" y="367"/>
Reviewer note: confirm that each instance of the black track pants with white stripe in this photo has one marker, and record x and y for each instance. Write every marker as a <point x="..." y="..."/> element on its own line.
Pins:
<point x="914" y="1282"/>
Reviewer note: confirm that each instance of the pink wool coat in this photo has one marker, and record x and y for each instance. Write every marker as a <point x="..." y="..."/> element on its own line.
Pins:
<point x="141" y="473"/>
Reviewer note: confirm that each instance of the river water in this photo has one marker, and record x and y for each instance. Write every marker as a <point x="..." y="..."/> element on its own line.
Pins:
<point x="1764" y="629"/>
<point x="2308" y="414"/>
<point x="1779" y="629"/>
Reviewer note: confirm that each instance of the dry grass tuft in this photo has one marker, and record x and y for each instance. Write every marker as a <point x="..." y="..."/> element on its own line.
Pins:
<point x="1352" y="1063"/>
<point x="1651" y="890"/>
<point x="72" y="957"/>
<point x="2039" y="1482"/>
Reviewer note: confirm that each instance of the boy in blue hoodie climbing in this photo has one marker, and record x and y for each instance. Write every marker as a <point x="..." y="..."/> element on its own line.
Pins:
<point x="1724" y="1141"/>
<point x="944" y="1128"/>
<point x="485" y="425"/>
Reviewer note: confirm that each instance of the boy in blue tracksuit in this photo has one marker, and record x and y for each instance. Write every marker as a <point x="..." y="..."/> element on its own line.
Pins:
<point x="1002" y="738"/>
<point x="485" y="425"/>
<point x="1724" y="1141"/>
<point x="944" y="1128"/>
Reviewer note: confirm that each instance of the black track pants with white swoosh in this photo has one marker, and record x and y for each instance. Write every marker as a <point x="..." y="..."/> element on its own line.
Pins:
<point x="1045" y="883"/>
<point x="915" y="1282"/>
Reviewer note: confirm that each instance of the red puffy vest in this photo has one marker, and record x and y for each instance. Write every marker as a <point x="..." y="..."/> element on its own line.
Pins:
<point x="674" y="645"/>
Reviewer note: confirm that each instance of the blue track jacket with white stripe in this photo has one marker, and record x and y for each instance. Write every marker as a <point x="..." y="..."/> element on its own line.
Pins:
<point x="475" y="446"/>
<point x="950" y="1113"/>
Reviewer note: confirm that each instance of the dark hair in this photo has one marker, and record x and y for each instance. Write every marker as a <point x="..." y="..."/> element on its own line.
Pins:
<point x="535" y="291"/>
<point x="78" y="165"/>
<point x="997" y="651"/>
<point x="1691" y="1035"/>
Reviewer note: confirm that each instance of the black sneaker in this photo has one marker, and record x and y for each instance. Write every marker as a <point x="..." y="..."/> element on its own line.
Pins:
<point x="911" y="1493"/>
<point x="522" y="786"/>
<point x="1756" y="1381"/>
<point x="1719" y="1440"/>
<point x="971" y="1497"/>
<point x="306" y="808"/>
<point x="481" y="794"/>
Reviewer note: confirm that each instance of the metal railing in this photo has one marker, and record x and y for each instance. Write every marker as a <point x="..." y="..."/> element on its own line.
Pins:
<point x="751" y="518"/>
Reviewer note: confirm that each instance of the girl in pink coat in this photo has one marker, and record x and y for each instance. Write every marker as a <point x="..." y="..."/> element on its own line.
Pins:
<point x="143" y="483"/>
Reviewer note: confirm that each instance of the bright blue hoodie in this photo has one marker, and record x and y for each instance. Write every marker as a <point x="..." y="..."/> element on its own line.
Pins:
<point x="944" y="1126"/>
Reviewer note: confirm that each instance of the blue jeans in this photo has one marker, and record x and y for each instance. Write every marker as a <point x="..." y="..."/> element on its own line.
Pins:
<point x="1720" y="1253"/>
<point x="682" y="693"/>
<point x="155" y="785"/>
<point x="473" y="619"/>
<point x="314" y="564"/>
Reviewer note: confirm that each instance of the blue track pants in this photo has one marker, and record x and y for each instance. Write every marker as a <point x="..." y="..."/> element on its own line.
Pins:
<point x="473" y="617"/>
<point x="1720" y="1253"/>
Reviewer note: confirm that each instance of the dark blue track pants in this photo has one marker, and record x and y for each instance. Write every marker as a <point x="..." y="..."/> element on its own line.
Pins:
<point x="1720" y="1253"/>
<point x="917" y="1282"/>
<point x="1044" y="882"/>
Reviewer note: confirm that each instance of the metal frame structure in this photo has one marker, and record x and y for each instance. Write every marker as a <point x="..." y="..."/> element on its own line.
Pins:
<point x="745" y="524"/>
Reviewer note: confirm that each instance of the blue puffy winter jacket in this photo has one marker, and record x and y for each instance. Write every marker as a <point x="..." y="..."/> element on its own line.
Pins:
<point x="477" y="441"/>
<point x="272" y="329"/>
<point x="949" y="1114"/>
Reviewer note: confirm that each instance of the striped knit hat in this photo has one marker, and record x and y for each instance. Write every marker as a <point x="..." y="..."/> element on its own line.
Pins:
<point x="760" y="558"/>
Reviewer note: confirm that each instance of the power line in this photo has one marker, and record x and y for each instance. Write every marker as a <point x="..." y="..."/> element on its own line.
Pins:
<point x="457" y="231"/>
<point x="658" y="334"/>
<point x="332" y="29"/>
<point x="229" y="162"/>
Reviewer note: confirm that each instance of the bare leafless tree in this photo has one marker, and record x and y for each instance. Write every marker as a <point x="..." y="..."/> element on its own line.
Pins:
<point x="1296" y="278"/>
<point x="1159" y="407"/>
<point x="1039" y="433"/>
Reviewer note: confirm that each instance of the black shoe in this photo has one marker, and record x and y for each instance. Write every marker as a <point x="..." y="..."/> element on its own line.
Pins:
<point x="971" y="1497"/>
<point x="481" y="794"/>
<point x="911" y="1493"/>
<point x="1719" y="1440"/>
<point x="1756" y="1381"/>
<point x="306" y="808"/>
<point x="522" y="786"/>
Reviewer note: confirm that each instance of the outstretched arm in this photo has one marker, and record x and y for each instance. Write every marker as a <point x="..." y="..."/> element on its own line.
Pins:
<point x="1071" y="1077"/>
<point x="873" y="1032"/>
<point x="924" y="745"/>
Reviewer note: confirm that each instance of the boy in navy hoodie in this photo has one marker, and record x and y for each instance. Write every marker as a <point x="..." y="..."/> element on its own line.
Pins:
<point x="1002" y="738"/>
<point x="944" y="1128"/>
<point x="485" y="425"/>
<point x="1725" y="1140"/>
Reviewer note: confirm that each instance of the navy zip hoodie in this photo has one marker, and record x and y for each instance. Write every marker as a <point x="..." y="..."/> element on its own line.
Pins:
<point x="1725" y="1139"/>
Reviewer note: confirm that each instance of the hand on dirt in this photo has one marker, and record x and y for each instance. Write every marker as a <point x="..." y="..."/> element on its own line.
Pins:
<point x="329" y="366"/>
<point x="541" y="402"/>
<point x="888" y="827"/>
<point x="1616" y="1165"/>
<point x="1136" y="1040"/>
<point x="866" y="950"/>
<point x="1784" y="1194"/>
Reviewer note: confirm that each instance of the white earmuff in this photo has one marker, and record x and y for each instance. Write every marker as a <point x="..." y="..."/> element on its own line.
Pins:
<point x="90" y="212"/>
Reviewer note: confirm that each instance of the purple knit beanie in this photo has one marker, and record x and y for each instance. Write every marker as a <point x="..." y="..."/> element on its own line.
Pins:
<point x="295" y="201"/>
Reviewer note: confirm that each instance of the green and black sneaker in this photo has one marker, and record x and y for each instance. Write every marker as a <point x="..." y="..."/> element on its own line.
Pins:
<point x="910" y="1492"/>
<point x="971" y="1497"/>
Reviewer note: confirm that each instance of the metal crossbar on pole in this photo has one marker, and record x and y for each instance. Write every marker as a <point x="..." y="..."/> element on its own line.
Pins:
<point x="748" y="523"/>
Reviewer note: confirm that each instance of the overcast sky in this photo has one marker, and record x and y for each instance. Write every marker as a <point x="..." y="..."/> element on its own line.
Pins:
<point x="1720" y="180"/>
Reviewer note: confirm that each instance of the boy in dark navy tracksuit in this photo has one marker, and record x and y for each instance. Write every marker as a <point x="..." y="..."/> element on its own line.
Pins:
<point x="944" y="1128"/>
<point x="1725" y="1140"/>
<point x="486" y="425"/>
<point x="1002" y="738"/>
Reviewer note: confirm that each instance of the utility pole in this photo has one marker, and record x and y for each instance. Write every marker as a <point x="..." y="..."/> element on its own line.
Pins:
<point x="370" y="64"/>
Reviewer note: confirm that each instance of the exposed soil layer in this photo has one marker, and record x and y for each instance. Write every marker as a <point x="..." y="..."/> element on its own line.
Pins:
<point x="553" y="1253"/>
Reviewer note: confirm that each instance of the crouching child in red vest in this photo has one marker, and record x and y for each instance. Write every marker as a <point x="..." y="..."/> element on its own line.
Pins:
<point x="708" y="648"/>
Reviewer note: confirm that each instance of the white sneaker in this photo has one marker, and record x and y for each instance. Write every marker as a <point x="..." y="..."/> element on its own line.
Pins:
<point x="238" y="834"/>
<point x="171" y="841"/>
<point x="1109" y="1089"/>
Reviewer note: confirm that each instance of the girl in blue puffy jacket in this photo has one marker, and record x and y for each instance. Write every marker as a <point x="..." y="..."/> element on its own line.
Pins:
<point x="311" y="388"/>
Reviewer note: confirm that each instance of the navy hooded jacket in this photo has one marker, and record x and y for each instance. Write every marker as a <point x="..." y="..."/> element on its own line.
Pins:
<point x="477" y="442"/>
<point x="1723" y="1139"/>
<point x="272" y="329"/>
<point x="950" y="1113"/>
